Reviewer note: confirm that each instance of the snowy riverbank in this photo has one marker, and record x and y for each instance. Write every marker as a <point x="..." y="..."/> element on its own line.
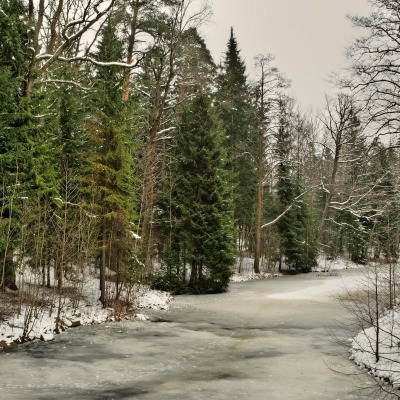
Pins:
<point x="376" y="348"/>
<point x="30" y="321"/>
<point x="38" y="321"/>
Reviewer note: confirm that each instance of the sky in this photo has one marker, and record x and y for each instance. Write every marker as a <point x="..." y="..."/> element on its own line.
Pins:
<point x="307" y="37"/>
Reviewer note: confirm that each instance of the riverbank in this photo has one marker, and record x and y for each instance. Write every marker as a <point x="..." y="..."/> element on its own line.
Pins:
<point x="35" y="317"/>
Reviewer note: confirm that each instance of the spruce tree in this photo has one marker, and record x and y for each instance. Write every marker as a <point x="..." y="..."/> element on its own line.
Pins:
<point x="298" y="239"/>
<point x="14" y="154"/>
<point x="202" y="199"/>
<point x="353" y="231"/>
<point x="384" y="233"/>
<point x="195" y="68"/>
<point x="239" y="126"/>
<point x="109" y="164"/>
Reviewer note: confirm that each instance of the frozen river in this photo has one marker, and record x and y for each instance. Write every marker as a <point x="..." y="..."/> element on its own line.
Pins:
<point x="261" y="340"/>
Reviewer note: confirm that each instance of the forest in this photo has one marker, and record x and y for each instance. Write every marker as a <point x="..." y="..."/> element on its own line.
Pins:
<point x="127" y="152"/>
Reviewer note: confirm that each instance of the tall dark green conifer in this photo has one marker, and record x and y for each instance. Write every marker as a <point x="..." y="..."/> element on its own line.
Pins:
<point x="298" y="239"/>
<point x="14" y="155"/>
<point x="202" y="198"/>
<point x="239" y="124"/>
<point x="110" y="164"/>
<point x="352" y="232"/>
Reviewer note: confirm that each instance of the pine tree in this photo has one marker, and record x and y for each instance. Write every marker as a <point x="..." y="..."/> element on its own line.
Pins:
<point x="204" y="208"/>
<point x="10" y="151"/>
<point x="385" y="230"/>
<point x="13" y="34"/>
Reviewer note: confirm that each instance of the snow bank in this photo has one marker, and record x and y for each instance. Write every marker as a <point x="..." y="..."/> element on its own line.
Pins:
<point x="34" y="323"/>
<point x="363" y="350"/>
<point x="249" y="276"/>
<point x="326" y="265"/>
<point x="323" y="265"/>
<point x="376" y="348"/>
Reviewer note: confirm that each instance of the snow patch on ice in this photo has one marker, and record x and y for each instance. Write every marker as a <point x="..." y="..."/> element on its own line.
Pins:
<point x="252" y="276"/>
<point x="324" y="289"/>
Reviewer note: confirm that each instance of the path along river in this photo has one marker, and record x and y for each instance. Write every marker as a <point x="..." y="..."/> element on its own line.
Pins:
<point x="261" y="340"/>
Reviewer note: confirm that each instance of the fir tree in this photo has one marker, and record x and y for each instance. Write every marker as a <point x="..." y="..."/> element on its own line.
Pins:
<point x="353" y="231"/>
<point x="13" y="34"/>
<point x="195" y="68"/>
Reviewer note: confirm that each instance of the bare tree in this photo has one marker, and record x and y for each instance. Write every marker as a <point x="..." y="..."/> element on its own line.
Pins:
<point x="58" y="29"/>
<point x="338" y="122"/>
<point x="266" y="93"/>
<point x="375" y="344"/>
<point x="376" y="68"/>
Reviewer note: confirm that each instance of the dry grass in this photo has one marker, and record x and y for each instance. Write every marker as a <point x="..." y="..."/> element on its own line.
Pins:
<point x="360" y="296"/>
<point x="73" y="293"/>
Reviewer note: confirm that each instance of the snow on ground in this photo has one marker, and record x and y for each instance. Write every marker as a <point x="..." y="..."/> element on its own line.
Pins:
<point x="247" y="271"/>
<point x="39" y="321"/>
<point x="326" y="265"/>
<point x="154" y="299"/>
<point x="376" y="348"/>
<point x="363" y="349"/>
<point x="249" y="276"/>
<point x="323" y="265"/>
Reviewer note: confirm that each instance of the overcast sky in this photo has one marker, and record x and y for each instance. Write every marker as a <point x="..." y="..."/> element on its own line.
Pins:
<point x="307" y="37"/>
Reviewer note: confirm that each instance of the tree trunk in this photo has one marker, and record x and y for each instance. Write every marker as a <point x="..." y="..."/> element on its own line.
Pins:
<point x="193" y="275"/>
<point x="129" y="57"/>
<point x="103" y="268"/>
<point x="260" y="181"/>
<point x="149" y="178"/>
<point x="377" y="316"/>
<point x="331" y="186"/>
